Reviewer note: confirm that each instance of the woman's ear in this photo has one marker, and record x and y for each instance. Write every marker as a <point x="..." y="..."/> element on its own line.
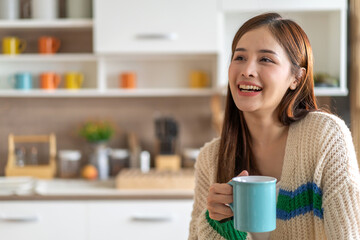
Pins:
<point x="301" y="74"/>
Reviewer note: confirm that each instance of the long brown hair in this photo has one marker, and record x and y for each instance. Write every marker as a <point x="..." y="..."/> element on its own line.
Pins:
<point x="235" y="152"/>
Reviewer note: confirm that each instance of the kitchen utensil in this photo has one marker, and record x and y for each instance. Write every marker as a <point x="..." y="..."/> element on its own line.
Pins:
<point x="9" y="9"/>
<point x="48" y="45"/>
<point x="127" y="80"/>
<point x="21" y="80"/>
<point x="40" y="171"/>
<point x="49" y="80"/>
<point x="74" y="80"/>
<point x="44" y="9"/>
<point x="78" y="8"/>
<point x="69" y="161"/>
<point x="13" y="45"/>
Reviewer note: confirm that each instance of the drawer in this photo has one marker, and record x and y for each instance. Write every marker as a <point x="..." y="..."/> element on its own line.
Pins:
<point x="140" y="219"/>
<point x="42" y="220"/>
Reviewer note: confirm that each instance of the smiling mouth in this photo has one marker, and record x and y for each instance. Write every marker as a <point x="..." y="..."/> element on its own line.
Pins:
<point x="249" y="88"/>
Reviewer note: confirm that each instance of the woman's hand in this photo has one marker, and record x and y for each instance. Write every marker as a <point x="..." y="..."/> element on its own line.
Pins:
<point x="219" y="195"/>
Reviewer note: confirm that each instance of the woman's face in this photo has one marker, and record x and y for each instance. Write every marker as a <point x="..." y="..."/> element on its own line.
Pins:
<point x="260" y="72"/>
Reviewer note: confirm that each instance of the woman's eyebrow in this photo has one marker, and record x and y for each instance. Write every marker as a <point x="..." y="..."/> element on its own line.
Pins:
<point x="261" y="51"/>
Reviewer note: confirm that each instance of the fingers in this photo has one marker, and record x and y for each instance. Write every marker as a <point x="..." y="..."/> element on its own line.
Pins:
<point x="221" y="188"/>
<point x="243" y="173"/>
<point x="219" y="212"/>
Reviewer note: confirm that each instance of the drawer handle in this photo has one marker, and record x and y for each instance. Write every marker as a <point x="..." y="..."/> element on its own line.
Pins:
<point x="157" y="36"/>
<point x="29" y="218"/>
<point x="145" y="218"/>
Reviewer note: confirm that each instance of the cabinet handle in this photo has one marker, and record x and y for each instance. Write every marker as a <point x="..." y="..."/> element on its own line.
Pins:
<point x="144" y="218"/>
<point x="29" y="218"/>
<point x="157" y="36"/>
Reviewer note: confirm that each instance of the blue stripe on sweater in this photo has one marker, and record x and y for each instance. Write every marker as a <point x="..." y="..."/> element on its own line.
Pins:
<point x="302" y="188"/>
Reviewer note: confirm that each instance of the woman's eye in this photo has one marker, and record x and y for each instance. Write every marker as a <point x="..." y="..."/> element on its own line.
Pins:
<point x="264" y="59"/>
<point x="238" y="58"/>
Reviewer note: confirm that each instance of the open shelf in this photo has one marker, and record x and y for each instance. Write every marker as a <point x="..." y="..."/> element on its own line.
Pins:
<point x="59" y="23"/>
<point x="110" y="93"/>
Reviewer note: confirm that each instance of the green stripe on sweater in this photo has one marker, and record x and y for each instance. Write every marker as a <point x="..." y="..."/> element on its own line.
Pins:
<point x="226" y="229"/>
<point x="304" y="199"/>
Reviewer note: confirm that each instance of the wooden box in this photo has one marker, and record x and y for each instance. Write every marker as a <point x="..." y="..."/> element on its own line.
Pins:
<point x="154" y="179"/>
<point x="37" y="171"/>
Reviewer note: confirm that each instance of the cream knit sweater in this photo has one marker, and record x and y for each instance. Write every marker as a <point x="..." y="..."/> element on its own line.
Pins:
<point x="319" y="195"/>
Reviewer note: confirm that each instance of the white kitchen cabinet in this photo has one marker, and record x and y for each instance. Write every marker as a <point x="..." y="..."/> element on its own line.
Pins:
<point x="324" y="21"/>
<point x="95" y="219"/>
<point x="163" y="41"/>
<point x="42" y="220"/>
<point x="142" y="26"/>
<point x="140" y="219"/>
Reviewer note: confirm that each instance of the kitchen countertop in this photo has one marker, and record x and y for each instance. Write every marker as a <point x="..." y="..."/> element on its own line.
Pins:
<point x="78" y="189"/>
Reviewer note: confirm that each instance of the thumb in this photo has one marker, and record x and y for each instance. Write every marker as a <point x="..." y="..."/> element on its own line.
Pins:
<point x="243" y="173"/>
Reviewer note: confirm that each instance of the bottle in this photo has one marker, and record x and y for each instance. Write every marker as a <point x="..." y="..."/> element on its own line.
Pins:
<point x="20" y="157"/>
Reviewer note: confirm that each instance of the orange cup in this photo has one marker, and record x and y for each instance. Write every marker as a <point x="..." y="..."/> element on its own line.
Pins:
<point x="49" y="45"/>
<point x="49" y="80"/>
<point x="127" y="80"/>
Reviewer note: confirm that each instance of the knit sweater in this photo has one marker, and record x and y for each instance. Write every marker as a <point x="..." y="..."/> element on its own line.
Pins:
<point x="319" y="196"/>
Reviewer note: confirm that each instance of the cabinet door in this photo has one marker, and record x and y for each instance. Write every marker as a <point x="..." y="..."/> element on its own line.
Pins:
<point x="42" y="220"/>
<point x="140" y="219"/>
<point x="155" y="26"/>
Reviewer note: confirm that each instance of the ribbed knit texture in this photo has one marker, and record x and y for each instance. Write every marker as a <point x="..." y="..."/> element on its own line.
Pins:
<point x="319" y="195"/>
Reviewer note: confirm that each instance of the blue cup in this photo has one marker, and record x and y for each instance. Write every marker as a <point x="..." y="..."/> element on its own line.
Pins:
<point x="21" y="81"/>
<point x="254" y="204"/>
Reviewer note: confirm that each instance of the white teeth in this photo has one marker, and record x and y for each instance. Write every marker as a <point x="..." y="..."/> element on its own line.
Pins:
<point x="249" y="87"/>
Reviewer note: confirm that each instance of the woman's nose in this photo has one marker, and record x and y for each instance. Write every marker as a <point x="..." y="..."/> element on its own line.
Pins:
<point x="249" y="69"/>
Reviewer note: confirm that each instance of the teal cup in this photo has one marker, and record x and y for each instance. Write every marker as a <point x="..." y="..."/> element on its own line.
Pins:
<point x="21" y="81"/>
<point x="254" y="203"/>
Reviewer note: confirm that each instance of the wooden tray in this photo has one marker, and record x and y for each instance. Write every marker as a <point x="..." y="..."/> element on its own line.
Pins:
<point x="40" y="171"/>
<point x="134" y="179"/>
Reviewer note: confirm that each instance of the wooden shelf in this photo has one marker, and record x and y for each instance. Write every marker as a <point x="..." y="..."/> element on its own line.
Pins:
<point x="59" y="57"/>
<point x="33" y="23"/>
<point x="110" y="93"/>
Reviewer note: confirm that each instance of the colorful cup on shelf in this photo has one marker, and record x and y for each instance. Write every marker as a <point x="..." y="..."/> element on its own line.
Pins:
<point x="21" y="81"/>
<point x="199" y="79"/>
<point x="13" y="45"/>
<point x="9" y="9"/>
<point x="127" y="80"/>
<point x="48" y="45"/>
<point x="79" y="9"/>
<point x="74" y="80"/>
<point x="49" y="80"/>
<point x="45" y="9"/>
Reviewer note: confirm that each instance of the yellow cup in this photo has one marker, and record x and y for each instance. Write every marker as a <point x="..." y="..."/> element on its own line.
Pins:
<point x="74" y="80"/>
<point x="199" y="79"/>
<point x="13" y="45"/>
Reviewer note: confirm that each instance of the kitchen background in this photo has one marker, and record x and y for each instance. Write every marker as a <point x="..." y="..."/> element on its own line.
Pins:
<point x="140" y="60"/>
<point x="62" y="112"/>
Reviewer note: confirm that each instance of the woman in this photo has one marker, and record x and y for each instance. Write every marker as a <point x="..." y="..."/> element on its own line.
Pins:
<point x="273" y="127"/>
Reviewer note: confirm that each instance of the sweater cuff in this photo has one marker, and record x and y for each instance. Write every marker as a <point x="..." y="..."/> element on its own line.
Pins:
<point x="225" y="229"/>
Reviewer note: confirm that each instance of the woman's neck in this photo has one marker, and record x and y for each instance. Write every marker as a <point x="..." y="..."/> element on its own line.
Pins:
<point x="264" y="130"/>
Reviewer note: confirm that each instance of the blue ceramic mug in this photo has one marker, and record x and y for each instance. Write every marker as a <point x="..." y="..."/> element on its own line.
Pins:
<point x="21" y="80"/>
<point x="254" y="203"/>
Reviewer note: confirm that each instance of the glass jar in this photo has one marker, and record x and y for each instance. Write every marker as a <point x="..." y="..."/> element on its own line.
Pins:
<point x="69" y="163"/>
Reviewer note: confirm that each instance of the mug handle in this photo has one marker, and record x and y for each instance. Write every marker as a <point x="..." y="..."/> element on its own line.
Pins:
<point x="57" y="80"/>
<point x="80" y="80"/>
<point x="231" y="205"/>
<point x="57" y="44"/>
<point x="22" y="45"/>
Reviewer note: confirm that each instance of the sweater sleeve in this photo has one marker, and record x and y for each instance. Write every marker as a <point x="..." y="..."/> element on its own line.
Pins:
<point x="199" y="226"/>
<point x="341" y="184"/>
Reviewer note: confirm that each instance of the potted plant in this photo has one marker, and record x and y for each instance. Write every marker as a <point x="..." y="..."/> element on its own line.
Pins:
<point x="98" y="133"/>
